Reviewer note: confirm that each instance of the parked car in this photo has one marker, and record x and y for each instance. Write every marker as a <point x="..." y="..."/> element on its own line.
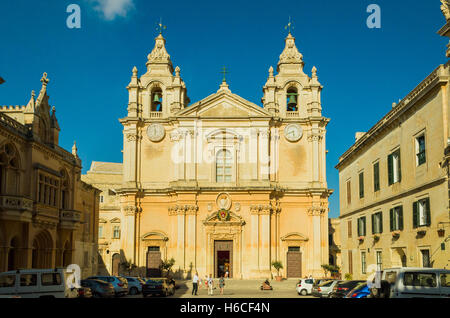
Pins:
<point x="158" y="286"/>
<point x="36" y="283"/>
<point x="120" y="284"/>
<point x="84" y="292"/>
<point x="304" y="286"/>
<point x="410" y="282"/>
<point x="99" y="288"/>
<point x="361" y="290"/>
<point x="324" y="289"/>
<point x="341" y="289"/>
<point x="134" y="285"/>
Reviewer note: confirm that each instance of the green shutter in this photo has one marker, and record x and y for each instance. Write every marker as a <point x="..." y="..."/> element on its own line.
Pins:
<point x="358" y="225"/>
<point x="399" y="167"/>
<point x="415" y="215"/>
<point x="381" y="222"/>
<point x="401" y="218"/>
<point x="391" y="214"/>
<point x="390" y="169"/>
<point x="365" y="232"/>
<point x="376" y="177"/>
<point x="428" y="211"/>
<point x="361" y="185"/>
<point x="373" y="223"/>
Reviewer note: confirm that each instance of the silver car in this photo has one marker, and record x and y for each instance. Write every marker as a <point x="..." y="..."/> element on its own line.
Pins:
<point x="324" y="289"/>
<point x="134" y="284"/>
<point x="120" y="284"/>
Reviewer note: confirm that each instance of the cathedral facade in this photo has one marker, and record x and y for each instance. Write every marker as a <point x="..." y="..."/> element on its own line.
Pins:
<point x="222" y="184"/>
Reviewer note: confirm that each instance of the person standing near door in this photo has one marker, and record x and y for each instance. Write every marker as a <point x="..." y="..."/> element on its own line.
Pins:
<point x="221" y="284"/>
<point x="195" y="284"/>
<point x="210" y="285"/>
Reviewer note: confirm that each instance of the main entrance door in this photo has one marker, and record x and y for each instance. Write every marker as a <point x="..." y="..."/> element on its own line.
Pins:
<point x="294" y="263"/>
<point x="223" y="258"/>
<point x="153" y="261"/>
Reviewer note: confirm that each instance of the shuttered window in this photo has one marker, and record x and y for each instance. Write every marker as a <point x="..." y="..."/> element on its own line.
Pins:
<point x="394" y="167"/>
<point x="362" y="226"/>
<point x="361" y="185"/>
<point x="396" y="218"/>
<point x="377" y="223"/>
<point x="376" y="177"/>
<point x="349" y="228"/>
<point x="420" y="150"/>
<point x="349" y="193"/>
<point x="421" y="213"/>
<point x="350" y="262"/>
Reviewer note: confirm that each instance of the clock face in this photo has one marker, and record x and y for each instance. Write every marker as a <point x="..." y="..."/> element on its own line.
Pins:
<point x="293" y="132"/>
<point x="156" y="132"/>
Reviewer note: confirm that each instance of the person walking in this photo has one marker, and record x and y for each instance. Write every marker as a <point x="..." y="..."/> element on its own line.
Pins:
<point x="210" y="285"/>
<point x="195" y="284"/>
<point x="221" y="284"/>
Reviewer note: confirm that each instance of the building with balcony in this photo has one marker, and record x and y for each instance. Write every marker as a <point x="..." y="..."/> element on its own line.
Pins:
<point x="48" y="216"/>
<point x="394" y="185"/>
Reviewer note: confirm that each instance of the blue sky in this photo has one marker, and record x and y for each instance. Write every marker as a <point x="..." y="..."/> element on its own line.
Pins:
<point x="363" y="70"/>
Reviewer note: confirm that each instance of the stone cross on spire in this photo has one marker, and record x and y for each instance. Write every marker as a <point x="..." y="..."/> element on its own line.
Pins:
<point x="160" y="26"/>
<point x="289" y="26"/>
<point x="44" y="79"/>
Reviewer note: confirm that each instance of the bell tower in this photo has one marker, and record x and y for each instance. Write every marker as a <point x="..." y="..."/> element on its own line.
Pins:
<point x="292" y="93"/>
<point x="159" y="93"/>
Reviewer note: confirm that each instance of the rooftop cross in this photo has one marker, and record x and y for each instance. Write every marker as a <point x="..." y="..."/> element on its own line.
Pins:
<point x="224" y="72"/>
<point x="160" y="26"/>
<point x="289" y="26"/>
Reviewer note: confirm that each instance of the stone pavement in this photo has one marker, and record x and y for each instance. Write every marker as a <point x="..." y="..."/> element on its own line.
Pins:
<point x="242" y="289"/>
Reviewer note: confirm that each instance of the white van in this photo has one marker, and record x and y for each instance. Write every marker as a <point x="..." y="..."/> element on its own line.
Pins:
<point x="411" y="282"/>
<point x="35" y="283"/>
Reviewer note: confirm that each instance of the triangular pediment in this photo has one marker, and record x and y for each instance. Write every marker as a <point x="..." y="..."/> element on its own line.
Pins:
<point x="213" y="219"/>
<point x="223" y="104"/>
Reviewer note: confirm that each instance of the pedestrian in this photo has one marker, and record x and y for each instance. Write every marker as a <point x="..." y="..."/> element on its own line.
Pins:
<point x="195" y="284"/>
<point x="206" y="281"/>
<point x="221" y="284"/>
<point x="210" y="285"/>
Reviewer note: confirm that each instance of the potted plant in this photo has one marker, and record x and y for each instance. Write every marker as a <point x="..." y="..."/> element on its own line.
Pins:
<point x="395" y="233"/>
<point x="376" y="238"/>
<point x="278" y="265"/>
<point x="441" y="232"/>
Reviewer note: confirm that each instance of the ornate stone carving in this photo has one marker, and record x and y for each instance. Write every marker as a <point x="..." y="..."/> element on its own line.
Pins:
<point x="223" y="201"/>
<point x="260" y="209"/>
<point x="176" y="135"/>
<point x="187" y="209"/>
<point x="131" y="137"/>
<point x="315" y="137"/>
<point x="130" y="210"/>
<point x="159" y="53"/>
<point x="445" y="8"/>
<point x="290" y="53"/>
<point x="316" y="210"/>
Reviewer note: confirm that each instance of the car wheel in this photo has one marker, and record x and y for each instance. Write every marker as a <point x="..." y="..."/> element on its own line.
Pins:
<point x="303" y="292"/>
<point x="133" y="291"/>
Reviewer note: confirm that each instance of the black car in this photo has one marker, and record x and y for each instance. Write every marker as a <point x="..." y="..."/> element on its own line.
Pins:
<point x="158" y="286"/>
<point x="99" y="288"/>
<point x="343" y="288"/>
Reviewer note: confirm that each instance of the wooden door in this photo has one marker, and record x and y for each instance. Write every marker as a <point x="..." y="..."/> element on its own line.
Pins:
<point x="294" y="264"/>
<point x="154" y="262"/>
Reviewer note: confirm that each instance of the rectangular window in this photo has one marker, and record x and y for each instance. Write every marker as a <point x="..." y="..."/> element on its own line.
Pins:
<point x="349" y="193"/>
<point x="49" y="279"/>
<point x="377" y="223"/>
<point x="7" y="280"/>
<point x="420" y="150"/>
<point x="425" y="258"/>
<point x="28" y="280"/>
<point x="153" y="248"/>
<point x="294" y="249"/>
<point x="361" y="185"/>
<point x="421" y="213"/>
<point x="379" y="261"/>
<point x="363" y="262"/>
<point x="362" y="226"/>
<point x="396" y="218"/>
<point x="116" y="232"/>
<point x="420" y="279"/>
<point x="100" y="231"/>
<point x="376" y="177"/>
<point x="349" y="228"/>
<point x="394" y="167"/>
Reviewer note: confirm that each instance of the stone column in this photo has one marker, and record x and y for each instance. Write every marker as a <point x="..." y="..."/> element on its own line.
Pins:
<point x="181" y="238"/>
<point x="264" y="260"/>
<point x="314" y="139"/>
<point x="191" y="237"/>
<point x="264" y="154"/>
<point x="315" y="213"/>
<point x="254" y="245"/>
<point x="130" y="238"/>
<point x="253" y="154"/>
<point x="130" y="155"/>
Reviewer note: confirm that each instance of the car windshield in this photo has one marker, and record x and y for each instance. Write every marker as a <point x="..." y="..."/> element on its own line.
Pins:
<point x="155" y="281"/>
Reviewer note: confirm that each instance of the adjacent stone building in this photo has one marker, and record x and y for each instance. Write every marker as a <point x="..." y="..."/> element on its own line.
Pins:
<point x="48" y="217"/>
<point x="394" y="185"/>
<point x="223" y="183"/>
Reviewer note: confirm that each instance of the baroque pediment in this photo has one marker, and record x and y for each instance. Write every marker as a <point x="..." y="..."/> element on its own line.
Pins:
<point x="233" y="219"/>
<point x="295" y="236"/>
<point x="223" y="105"/>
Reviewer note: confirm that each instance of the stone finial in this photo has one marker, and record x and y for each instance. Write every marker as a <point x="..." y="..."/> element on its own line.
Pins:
<point x="271" y="71"/>
<point x="445" y="8"/>
<point x="159" y="53"/>
<point x="177" y="71"/>
<point x="33" y="94"/>
<point x="75" y="149"/>
<point x="314" y="72"/>
<point x="135" y="71"/>
<point x="44" y="79"/>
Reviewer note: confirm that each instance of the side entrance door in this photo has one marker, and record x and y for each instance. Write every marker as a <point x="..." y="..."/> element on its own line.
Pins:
<point x="153" y="261"/>
<point x="294" y="263"/>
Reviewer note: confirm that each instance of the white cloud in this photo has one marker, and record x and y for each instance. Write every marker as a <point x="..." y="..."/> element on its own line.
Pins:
<point x="110" y="9"/>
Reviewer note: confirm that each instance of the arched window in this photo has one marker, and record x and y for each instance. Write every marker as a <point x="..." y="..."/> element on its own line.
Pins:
<point x="224" y="166"/>
<point x="157" y="100"/>
<point x="64" y="190"/>
<point x="292" y="99"/>
<point x="9" y="170"/>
